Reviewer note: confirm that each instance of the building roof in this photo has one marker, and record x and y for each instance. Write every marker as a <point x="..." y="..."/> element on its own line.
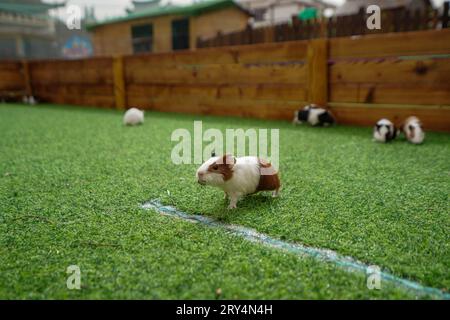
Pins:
<point x="28" y="8"/>
<point x="353" y="6"/>
<point x="190" y="10"/>
<point x="319" y="3"/>
<point x="145" y="1"/>
<point x="139" y="5"/>
<point x="269" y="3"/>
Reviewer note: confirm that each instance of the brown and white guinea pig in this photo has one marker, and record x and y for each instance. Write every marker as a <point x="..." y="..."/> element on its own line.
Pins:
<point x="238" y="177"/>
<point x="314" y="115"/>
<point x="413" y="130"/>
<point x="384" y="131"/>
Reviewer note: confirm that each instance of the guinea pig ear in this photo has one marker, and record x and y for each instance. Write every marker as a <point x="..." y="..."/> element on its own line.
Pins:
<point x="229" y="160"/>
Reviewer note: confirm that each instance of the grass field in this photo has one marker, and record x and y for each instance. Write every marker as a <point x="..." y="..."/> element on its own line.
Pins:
<point x="72" y="181"/>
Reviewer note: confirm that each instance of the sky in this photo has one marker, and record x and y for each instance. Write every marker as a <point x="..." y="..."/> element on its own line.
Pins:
<point x="110" y="8"/>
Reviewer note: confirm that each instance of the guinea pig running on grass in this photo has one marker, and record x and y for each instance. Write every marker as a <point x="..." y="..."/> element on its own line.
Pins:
<point x="413" y="130"/>
<point x="133" y="117"/>
<point x="238" y="177"/>
<point x="314" y="115"/>
<point x="384" y="131"/>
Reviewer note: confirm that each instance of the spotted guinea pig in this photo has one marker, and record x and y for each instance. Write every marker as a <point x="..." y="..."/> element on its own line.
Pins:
<point x="238" y="177"/>
<point x="314" y="115"/>
<point x="413" y="130"/>
<point x="384" y="131"/>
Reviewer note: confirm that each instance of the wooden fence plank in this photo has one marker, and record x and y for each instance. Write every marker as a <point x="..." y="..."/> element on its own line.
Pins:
<point x="259" y="53"/>
<point x="281" y="92"/>
<point x="83" y="100"/>
<point x="119" y="83"/>
<point x="391" y="93"/>
<point x="219" y="74"/>
<point x="12" y="80"/>
<point x="393" y="44"/>
<point x="318" y="71"/>
<point x="75" y="89"/>
<point x="426" y="71"/>
<point x="267" y="109"/>
<point x="26" y="78"/>
<point x="70" y="72"/>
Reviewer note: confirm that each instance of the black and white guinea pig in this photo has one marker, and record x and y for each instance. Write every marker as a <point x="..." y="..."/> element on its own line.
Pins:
<point x="384" y="131"/>
<point x="238" y="177"/>
<point x="413" y="130"/>
<point x="314" y="115"/>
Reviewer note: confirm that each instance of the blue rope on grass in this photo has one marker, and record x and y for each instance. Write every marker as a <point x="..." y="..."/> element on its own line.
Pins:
<point x="345" y="262"/>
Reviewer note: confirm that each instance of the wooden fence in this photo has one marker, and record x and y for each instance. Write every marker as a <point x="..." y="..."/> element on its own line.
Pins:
<point x="392" y="20"/>
<point x="360" y="79"/>
<point x="12" y="79"/>
<point x="79" y="82"/>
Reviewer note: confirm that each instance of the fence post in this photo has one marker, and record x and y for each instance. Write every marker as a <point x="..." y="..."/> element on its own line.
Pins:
<point x="323" y="28"/>
<point x="119" y="83"/>
<point x="361" y="22"/>
<point x="445" y="17"/>
<point x="317" y="64"/>
<point x="269" y="34"/>
<point x="26" y="77"/>
<point x="249" y="33"/>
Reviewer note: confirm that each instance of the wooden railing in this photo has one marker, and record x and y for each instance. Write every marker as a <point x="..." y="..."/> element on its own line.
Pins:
<point x="360" y="79"/>
<point x="392" y="20"/>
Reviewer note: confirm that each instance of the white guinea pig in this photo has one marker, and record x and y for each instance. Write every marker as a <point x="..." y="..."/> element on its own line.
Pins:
<point x="238" y="177"/>
<point x="29" y="100"/>
<point x="32" y="100"/>
<point x="133" y="117"/>
<point x="314" y="115"/>
<point x="384" y="131"/>
<point x="412" y="128"/>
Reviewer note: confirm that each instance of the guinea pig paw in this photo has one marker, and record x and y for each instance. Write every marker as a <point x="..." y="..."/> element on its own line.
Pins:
<point x="232" y="206"/>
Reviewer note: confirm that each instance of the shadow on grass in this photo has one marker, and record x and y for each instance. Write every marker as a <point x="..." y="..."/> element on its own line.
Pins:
<point x="258" y="201"/>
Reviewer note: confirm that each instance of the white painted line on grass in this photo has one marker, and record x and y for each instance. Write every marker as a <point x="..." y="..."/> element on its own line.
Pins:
<point x="345" y="262"/>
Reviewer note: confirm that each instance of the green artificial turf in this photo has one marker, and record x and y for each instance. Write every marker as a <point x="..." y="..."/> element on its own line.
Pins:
<point x="72" y="180"/>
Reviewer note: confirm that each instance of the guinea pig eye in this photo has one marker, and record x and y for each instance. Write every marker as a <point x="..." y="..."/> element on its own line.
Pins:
<point x="216" y="167"/>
